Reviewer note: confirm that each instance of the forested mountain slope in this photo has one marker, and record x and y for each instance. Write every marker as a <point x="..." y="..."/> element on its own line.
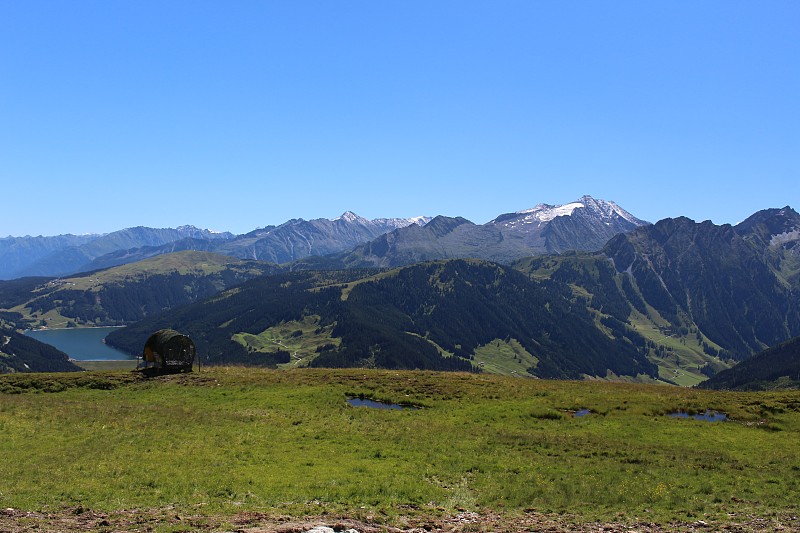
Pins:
<point x="702" y="294"/>
<point x="126" y="293"/>
<point x="19" y="353"/>
<point x="713" y="277"/>
<point x="776" y="367"/>
<point x="435" y="315"/>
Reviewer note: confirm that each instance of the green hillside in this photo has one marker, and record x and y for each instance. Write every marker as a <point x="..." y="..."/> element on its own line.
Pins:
<point x="435" y="316"/>
<point x="125" y="293"/>
<point x="681" y="352"/>
<point x="775" y="368"/>
<point x="20" y="353"/>
<point x="703" y="296"/>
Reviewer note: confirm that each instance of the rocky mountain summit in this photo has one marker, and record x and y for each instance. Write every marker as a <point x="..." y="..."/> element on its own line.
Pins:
<point x="583" y="225"/>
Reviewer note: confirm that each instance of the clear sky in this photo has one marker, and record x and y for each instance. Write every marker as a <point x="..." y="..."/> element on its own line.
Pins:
<point x="233" y="115"/>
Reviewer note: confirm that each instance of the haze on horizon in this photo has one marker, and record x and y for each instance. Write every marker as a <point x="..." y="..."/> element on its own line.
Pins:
<point x="238" y="115"/>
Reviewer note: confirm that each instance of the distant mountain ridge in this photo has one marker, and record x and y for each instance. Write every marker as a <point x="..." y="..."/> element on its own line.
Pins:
<point x="300" y="238"/>
<point x="583" y="225"/>
<point x="290" y="241"/>
<point x="297" y="238"/>
<point x="19" y="253"/>
<point x="346" y="241"/>
<point x="68" y="254"/>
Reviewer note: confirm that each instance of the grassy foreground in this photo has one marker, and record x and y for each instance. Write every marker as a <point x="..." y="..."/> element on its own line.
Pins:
<point x="229" y="440"/>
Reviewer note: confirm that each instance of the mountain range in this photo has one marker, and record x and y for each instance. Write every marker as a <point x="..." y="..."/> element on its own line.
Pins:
<point x="345" y="242"/>
<point x="69" y="254"/>
<point x="703" y="294"/>
<point x="295" y="239"/>
<point x="688" y="299"/>
<point x="584" y="225"/>
<point x="675" y="301"/>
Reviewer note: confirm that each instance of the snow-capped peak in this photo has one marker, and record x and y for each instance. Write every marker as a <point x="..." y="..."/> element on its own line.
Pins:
<point x="603" y="210"/>
<point x="608" y="209"/>
<point x="349" y="216"/>
<point x="403" y="222"/>
<point x="546" y="212"/>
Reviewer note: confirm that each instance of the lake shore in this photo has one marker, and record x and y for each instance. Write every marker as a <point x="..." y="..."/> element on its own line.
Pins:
<point x="48" y="328"/>
<point x="82" y="344"/>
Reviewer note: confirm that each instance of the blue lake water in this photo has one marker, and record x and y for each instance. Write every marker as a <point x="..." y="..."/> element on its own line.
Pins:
<point x="82" y="344"/>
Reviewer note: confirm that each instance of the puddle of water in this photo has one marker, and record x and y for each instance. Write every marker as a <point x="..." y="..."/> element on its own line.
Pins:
<point x="372" y="404"/>
<point x="708" y="416"/>
<point x="582" y="412"/>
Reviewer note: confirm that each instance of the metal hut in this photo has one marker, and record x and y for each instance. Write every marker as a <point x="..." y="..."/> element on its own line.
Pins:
<point x="169" y="351"/>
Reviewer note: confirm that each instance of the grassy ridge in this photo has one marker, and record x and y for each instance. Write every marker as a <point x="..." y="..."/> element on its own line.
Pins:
<point x="231" y="439"/>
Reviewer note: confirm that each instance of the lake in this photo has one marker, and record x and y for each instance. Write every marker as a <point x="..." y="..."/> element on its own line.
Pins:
<point x="81" y="344"/>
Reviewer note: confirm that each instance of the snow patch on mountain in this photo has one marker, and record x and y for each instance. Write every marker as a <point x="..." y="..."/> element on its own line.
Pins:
<point x="546" y="213"/>
<point x="398" y="223"/>
<point x="783" y="238"/>
<point x="393" y="223"/>
<point x="603" y="210"/>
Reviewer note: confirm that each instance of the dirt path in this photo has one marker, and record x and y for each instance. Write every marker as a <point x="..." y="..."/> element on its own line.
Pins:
<point x="80" y="519"/>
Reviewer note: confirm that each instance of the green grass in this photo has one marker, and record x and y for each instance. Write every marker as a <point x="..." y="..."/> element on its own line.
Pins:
<point x="122" y="364"/>
<point x="508" y="358"/>
<point x="685" y="354"/>
<point x="301" y="338"/>
<point x="231" y="439"/>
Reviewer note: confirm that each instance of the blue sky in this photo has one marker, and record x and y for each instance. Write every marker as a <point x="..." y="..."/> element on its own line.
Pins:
<point x="234" y="115"/>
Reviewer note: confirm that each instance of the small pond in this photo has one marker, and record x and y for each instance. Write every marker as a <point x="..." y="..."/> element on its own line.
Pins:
<point x="708" y="416"/>
<point x="582" y="412"/>
<point x="373" y="404"/>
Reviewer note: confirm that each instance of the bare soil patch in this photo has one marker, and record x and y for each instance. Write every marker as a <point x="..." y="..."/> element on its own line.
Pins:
<point x="79" y="519"/>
